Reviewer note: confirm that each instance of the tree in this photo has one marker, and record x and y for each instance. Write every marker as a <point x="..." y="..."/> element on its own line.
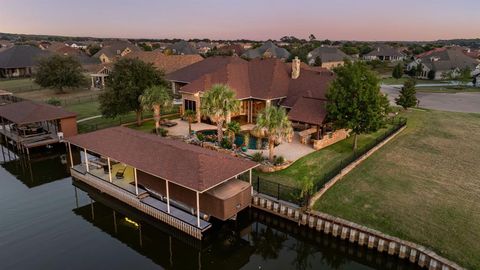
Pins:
<point x="465" y="75"/>
<point x="232" y="128"/>
<point x="397" y="72"/>
<point x="355" y="101"/>
<point x="60" y="72"/>
<point x="273" y="122"/>
<point x="190" y="115"/>
<point x="126" y="83"/>
<point x="419" y="70"/>
<point x="318" y="61"/>
<point x="218" y="103"/>
<point x="407" y="97"/>
<point x="431" y="75"/>
<point x="93" y="49"/>
<point x="154" y="98"/>
<point x="312" y="37"/>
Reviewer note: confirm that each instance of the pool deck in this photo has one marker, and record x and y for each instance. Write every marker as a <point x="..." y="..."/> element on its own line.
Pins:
<point x="290" y="151"/>
<point x="181" y="129"/>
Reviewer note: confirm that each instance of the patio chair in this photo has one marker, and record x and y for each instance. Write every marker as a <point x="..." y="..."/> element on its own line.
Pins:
<point x="120" y="173"/>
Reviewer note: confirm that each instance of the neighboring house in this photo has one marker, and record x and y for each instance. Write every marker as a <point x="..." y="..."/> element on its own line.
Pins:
<point x="258" y="83"/>
<point x="113" y="50"/>
<point x="20" y="60"/>
<point x="385" y="53"/>
<point x="329" y="57"/>
<point x="76" y="45"/>
<point x="231" y="49"/>
<point x="267" y="50"/>
<point x="166" y="63"/>
<point x="204" y="47"/>
<point x="441" y="63"/>
<point x="476" y="77"/>
<point x="182" y="47"/>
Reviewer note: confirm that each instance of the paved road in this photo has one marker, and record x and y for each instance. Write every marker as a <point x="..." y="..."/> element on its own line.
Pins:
<point x="457" y="102"/>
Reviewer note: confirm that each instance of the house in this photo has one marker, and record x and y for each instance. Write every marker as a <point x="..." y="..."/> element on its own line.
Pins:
<point x="231" y="49"/>
<point x="20" y="60"/>
<point x="167" y="179"/>
<point x="113" y="50"/>
<point x="30" y="124"/>
<point x="166" y="63"/>
<point x="441" y="63"/>
<point x="259" y="83"/>
<point x="385" y="52"/>
<point x="329" y="57"/>
<point x="267" y="50"/>
<point x="204" y="47"/>
<point x="182" y="47"/>
<point x="76" y="45"/>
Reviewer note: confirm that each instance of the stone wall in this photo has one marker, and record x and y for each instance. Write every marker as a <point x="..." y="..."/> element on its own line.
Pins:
<point x="327" y="139"/>
<point x="355" y="233"/>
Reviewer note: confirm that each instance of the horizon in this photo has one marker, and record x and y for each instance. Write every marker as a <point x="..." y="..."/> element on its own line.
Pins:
<point x="367" y="20"/>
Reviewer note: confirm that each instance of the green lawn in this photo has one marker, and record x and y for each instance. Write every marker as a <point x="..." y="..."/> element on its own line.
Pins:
<point x="84" y="109"/>
<point x="423" y="186"/>
<point x="447" y="89"/>
<point x="317" y="164"/>
<point x="393" y="81"/>
<point x="19" y="85"/>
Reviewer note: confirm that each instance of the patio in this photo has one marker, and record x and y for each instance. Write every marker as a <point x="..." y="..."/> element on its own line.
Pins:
<point x="290" y="151"/>
<point x="181" y="129"/>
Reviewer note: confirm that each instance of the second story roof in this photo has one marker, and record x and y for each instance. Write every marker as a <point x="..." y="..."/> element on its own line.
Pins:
<point x="267" y="50"/>
<point x="20" y="56"/>
<point x="166" y="63"/>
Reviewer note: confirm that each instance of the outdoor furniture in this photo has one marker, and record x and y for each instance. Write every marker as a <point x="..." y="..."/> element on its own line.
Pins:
<point x="167" y="123"/>
<point x="120" y="173"/>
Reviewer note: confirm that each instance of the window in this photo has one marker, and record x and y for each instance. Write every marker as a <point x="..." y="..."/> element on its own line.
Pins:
<point x="190" y="105"/>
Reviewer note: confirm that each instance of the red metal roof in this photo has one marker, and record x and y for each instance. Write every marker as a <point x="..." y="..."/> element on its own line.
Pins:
<point x="25" y="112"/>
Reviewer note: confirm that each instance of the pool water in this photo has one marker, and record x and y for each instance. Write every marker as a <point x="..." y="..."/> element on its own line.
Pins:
<point x="239" y="139"/>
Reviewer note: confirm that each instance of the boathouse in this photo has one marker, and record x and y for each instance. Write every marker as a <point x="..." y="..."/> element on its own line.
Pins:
<point x="181" y="184"/>
<point x="27" y="124"/>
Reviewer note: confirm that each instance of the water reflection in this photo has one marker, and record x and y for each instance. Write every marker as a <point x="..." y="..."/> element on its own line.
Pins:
<point x="256" y="240"/>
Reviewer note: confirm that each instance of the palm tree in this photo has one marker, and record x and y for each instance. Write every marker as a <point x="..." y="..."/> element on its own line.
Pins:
<point x="190" y="116"/>
<point x="232" y="129"/>
<point x="154" y="98"/>
<point x="217" y="103"/>
<point x="273" y="122"/>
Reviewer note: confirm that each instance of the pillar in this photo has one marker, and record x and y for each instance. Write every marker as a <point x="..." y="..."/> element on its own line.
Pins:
<point x="93" y="82"/>
<point x="86" y="159"/>
<point x="198" y="210"/>
<point x="109" y="170"/>
<point x="168" y="196"/>
<point x="135" y="177"/>
<point x="103" y="82"/>
<point x="250" y="180"/>
<point x="70" y="153"/>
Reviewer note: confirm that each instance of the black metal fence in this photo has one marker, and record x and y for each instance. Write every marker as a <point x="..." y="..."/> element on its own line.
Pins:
<point x="278" y="191"/>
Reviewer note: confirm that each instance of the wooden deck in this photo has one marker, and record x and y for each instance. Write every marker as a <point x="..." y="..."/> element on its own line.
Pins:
<point x="30" y="142"/>
<point x="176" y="218"/>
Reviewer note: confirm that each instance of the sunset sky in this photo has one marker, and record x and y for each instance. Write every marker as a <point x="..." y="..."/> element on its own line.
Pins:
<point x="232" y="19"/>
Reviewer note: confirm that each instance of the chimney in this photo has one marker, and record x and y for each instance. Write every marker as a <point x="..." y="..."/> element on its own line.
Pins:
<point x="295" y="68"/>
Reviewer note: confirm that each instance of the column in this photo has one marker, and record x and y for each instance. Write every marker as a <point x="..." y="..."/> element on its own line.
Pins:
<point x="103" y="82"/>
<point x="70" y="153"/>
<point x="268" y="102"/>
<point x="93" y="82"/>
<point x="168" y="197"/>
<point x="198" y="210"/>
<point x="250" y="180"/>
<point x="109" y="170"/>
<point x="135" y="177"/>
<point x="86" y="159"/>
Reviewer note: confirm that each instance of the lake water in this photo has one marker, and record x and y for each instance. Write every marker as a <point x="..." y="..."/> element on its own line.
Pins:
<point x="48" y="221"/>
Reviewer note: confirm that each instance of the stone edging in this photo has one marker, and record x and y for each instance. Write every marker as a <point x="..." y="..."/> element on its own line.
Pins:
<point x="350" y="167"/>
<point x="355" y="233"/>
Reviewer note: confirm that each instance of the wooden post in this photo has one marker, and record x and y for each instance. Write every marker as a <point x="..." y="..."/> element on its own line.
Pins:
<point x="198" y="210"/>
<point x="70" y="153"/>
<point x="86" y="159"/>
<point x="109" y="170"/>
<point x="135" y="177"/>
<point x="168" y="197"/>
<point x="250" y="180"/>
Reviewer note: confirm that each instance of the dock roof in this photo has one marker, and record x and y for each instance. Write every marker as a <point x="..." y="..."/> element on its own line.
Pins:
<point x="183" y="164"/>
<point x="25" y="112"/>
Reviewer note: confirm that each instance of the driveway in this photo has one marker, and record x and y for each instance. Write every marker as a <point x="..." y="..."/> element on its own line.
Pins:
<point x="455" y="102"/>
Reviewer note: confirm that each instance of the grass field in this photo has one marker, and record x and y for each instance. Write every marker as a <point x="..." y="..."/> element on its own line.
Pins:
<point x="84" y="109"/>
<point x="393" y="81"/>
<point x="423" y="186"/>
<point x="19" y="85"/>
<point x="317" y="164"/>
<point x="447" y="89"/>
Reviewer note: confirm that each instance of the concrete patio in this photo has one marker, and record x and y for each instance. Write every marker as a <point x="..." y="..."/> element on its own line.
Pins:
<point x="290" y="151"/>
<point x="181" y="129"/>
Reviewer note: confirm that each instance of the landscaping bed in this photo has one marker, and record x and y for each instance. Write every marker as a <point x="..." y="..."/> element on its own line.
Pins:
<point x="423" y="186"/>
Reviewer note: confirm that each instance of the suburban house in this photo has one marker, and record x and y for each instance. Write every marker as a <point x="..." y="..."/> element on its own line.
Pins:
<point x="441" y="63"/>
<point x="113" y="50"/>
<point x="204" y="47"/>
<point x="182" y="47"/>
<point x="177" y="183"/>
<point x="231" y="49"/>
<point x="29" y="124"/>
<point x="328" y="57"/>
<point x="76" y="45"/>
<point x="260" y="83"/>
<point x="385" y="52"/>
<point x="166" y="63"/>
<point x="20" y="60"/>
<point x="267" y="50"/>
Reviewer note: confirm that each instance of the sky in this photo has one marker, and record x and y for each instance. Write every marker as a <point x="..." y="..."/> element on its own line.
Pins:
<point x="249" y="19"/>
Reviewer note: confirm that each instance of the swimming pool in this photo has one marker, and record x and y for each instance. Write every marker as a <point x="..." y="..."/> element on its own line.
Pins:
<point x="253" y="142"/>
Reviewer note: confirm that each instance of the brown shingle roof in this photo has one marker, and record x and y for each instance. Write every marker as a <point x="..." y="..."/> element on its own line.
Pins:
<point x="167" y="63"/>
<point x="184" y="164"/>
<point x="309" y="110"/>
<point x="26" y="112"/>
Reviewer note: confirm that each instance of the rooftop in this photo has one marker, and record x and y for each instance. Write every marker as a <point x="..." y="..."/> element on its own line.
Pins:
<point x="184" y="164"/>
<point x="25" y="112"/>
<point x="167" y="63"/>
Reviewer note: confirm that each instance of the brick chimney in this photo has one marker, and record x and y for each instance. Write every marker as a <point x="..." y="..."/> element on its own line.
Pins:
<point x="295" y="68"/>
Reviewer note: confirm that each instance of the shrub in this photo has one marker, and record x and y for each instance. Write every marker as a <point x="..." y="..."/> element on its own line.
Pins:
<point x="279" y="160"/>
<point x="227" y="144"/>
<point x="258" y="157"/>
<point x="54" y="101"/>
<point x="201" y="137"/>
<point x="161" y="132"/>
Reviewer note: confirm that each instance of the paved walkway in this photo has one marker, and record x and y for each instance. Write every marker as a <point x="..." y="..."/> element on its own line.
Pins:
<point x="181" y="129"/>
<point x="455" y="102"/>
<point x="89" y="118"/>
<point x="290" y="151"/>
